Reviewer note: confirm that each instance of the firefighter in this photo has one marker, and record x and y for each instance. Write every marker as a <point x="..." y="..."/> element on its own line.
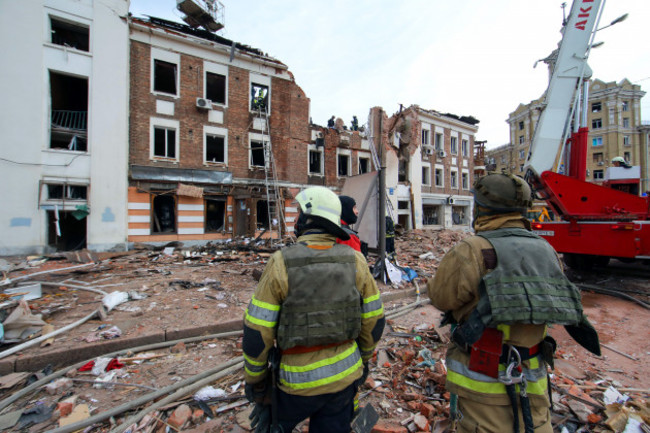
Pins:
<point x="500" y="289"/>
<point x="619" y="161"/>
<point x="349" y="215"/>
<point x="319" y="302"/>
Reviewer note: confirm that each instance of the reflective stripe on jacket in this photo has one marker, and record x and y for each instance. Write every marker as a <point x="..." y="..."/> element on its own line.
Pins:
<point x="317" y="372"/>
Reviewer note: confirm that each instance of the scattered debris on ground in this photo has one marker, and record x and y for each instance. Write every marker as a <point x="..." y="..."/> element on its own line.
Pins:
<point x="63" y="304"/>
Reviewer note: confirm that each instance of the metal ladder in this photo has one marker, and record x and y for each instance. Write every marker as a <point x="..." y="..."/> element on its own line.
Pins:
<point x="274" y="199"/>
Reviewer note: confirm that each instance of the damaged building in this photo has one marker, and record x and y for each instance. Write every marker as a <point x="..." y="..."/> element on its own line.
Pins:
<point x="430" y="166"/>
<point x="64" y="125"/>
<point x="219" y="137"/>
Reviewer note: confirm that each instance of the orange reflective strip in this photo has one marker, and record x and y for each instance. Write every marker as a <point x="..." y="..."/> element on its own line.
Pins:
<point x="319" y="247"/>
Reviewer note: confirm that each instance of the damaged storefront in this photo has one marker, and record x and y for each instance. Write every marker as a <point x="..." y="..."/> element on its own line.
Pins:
<point x="167" y="204"/>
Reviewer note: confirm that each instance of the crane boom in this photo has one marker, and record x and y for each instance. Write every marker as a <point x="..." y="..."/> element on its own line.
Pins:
<point x="569" y="70"/>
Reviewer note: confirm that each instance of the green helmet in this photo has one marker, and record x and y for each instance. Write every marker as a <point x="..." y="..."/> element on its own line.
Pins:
<point x="502" y="192"/>
<point x="320" y="202"/>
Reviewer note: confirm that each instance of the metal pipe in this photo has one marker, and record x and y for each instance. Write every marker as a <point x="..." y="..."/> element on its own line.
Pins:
<point x="12" y="398"/>
<point x="23" y="277"/>
<point x="201" y="378"/>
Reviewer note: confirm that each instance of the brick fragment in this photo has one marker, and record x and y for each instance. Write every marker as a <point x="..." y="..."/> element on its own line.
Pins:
<point x="388" y="427"/>
<point x="427" y="410"/>
<point x="180" y="416"/>
<point x="421" y="422"/>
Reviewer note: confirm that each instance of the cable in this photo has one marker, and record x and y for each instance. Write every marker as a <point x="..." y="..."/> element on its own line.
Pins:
<point x="41" y="165"/>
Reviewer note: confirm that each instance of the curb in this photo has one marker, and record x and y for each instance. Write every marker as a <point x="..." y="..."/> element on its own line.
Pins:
<point x="73" y="355"/>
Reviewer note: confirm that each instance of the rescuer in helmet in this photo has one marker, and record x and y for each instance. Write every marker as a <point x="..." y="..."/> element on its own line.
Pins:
<point x="500" y="289"/>
<point x="619" y="161"/>
<point x="318" y="300"/>
<point x="349" y="215"/>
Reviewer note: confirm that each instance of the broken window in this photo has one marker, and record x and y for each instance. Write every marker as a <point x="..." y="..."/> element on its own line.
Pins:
<point x="465" y="180"/>
<point x="66" y="231"/>
<point x="262" y="214"/>
<point x="69" y="34"/>
<point x="458" y="215"/>
<point x="257" y="154"/>
<point x="215" y="146"/>
<point x="596" y="123"/>
<point x="596" y="107"/>
<point x="343" y="165"/>
<point x="598" y="157"/>
<point x="164" y="214"/>
<point x="521" y="125"/>
<point x="164" y="142"/>
<point x="465" y="147"/>
<point x="364" y="165"/>
<point x="402" y="170"/>
<point x="454" y="145"/>
<point x="625" y="106"/>
<point x="315" y="166"/>
<point x="439" y="144"/>
<point x="215" y="215"/>
<point x="259" y="97"/>
<point x="426" y="175"/>
<point x="627" y="156"/>
<point x="454" y="179"/>
<point x="439" y="177"/>
<point x="164" y="77"/>
<point x="430" y="215"/>
<point x="215" y="87"/>
<point x="425" y="136"/>
<point x="69" y="101"/>
<point x="67" y="192"/>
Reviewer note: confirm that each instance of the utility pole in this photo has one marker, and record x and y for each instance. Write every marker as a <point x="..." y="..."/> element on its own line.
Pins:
<point x="382" y="197"/>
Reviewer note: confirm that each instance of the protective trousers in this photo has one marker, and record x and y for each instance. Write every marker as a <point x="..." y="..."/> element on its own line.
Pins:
<point x="327" y="413"/>
<point x="476" y="417"/>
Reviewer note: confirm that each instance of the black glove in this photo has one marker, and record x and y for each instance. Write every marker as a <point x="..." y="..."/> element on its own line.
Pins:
<point x="255" y="393"/>
<point x="260" y="418"/>
<point x="364" y="376"/>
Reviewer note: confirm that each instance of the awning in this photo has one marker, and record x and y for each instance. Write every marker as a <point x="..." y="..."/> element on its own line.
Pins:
<point x="433" y="201"/>
<point x="165" y="174"/>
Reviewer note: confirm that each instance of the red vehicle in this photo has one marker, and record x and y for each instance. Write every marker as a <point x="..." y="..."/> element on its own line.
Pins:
<point x="598" y="222"/>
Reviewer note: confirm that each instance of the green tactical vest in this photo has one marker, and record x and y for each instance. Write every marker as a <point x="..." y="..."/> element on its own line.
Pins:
<point x="528" y="285"/>
<point x="323" y="305"/>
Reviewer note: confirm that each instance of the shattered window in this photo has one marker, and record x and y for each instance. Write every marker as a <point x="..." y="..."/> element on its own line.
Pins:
<point x="69" y="34"/>
<point x="439" y="177"/>
<point x="215" y="215"/>
<point x="454" y="145"/>
<point x="215" y="148"/>
<point x="164" y="214"/>
<point x="625" y="106"/>
<point x="364" y="165"/>
<point x="458" y="215"/>
<point x="215" y="88"/>
<point x="596" y="107"/>
<point x="257" y="154"/>
<point x="259" y="97"/>
<point x="430" y="215"/>
<point x="454" y="179"/>
<point x="262" y="214"/>
<point x="439" y="145"/>
<point x="598" y="157"/>
<point x="315" y="162"/>
<point x="69" y="102"/>
<point x="402" y="170"/>
<point x="343" y="165"/>
<point x="164" y="142"/>
<point x="426" y="177"/>
<point x="164" y="77"/>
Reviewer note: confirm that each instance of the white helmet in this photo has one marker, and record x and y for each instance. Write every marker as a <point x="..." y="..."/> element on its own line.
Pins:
<point x="320" y="202"/>
<point x="619" y="159"/>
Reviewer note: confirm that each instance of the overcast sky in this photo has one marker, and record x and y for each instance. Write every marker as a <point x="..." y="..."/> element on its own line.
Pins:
<point x="466" y="57"/>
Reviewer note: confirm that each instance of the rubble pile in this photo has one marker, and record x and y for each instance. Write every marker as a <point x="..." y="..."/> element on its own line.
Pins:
<point x="422" y="250"/>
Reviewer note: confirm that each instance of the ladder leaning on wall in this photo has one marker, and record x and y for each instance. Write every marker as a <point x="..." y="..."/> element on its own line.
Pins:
<point x="274" y="199"/>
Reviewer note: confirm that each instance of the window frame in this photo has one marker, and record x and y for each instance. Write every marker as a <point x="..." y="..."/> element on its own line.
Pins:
<point x="597" y="123"/>
<point x="321" y="151"/>
<point x="453" y="145"/>
<point x="464" y="147"/>
<point x="596" y="141"/>
<point x="464" y="180"/>
<point x="439" y="169"/>
<point x="426" y="180"/>
<point x="263" y="81"/>
<point x="596" y="107"/>
<point x="453" y="175"/>
<point x="167" y="124"/>
<point x="348" y="155"/>
<point x="599" y="175"/>
<point x="215" y="69"/>
<point x="69" y="22"/>
<point x="626" y="122"/>
<point x="439" y="141"/>
<point x="167" y="57"/>
<point x="216" y="132"/>
<point x="425" y="136"/>
<point x="368" y="165"/>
